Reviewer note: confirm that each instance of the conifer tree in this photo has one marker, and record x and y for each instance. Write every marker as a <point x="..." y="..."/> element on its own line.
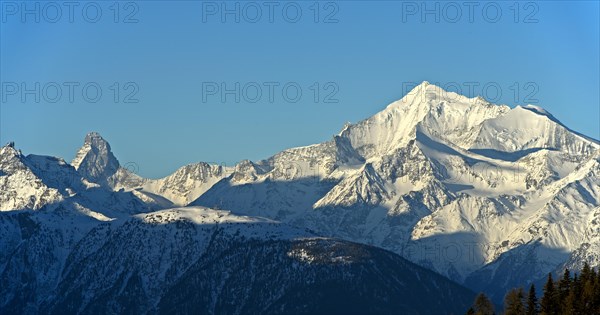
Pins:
<point x="483" y="305"/>
<point x="597" y="293"/>
<point x="587" y="291"/>
<point x="513" y="302"/>
<point x="532" y="302"/>
<point x="573" y="302"/>
<point x="586" y="273"/>
<point x="570" y="306"/>
<point x="569" y="295"/>
<point x="548" y="304"/>
<point x="563" y="289"/>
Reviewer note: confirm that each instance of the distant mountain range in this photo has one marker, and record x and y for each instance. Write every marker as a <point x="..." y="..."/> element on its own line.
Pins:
<point x="487" y="196"/>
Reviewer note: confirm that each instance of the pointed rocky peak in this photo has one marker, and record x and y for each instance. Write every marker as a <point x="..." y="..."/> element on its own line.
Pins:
<point x="372" y="184"/>
<point x="11" y="159"/>
<point x="364" y="187"/>
<point x="197" y="171"/>
<point x="95" y="139"/>
<point x="245" y="166"/>
<point x="347" y="126"/>
<point x="245" y="171"/>
<point x="95" y="160"/>
<point x="26" y="185"/>
<point x="199" y="167"/>
<point x="9" y="149"/>
<point x="93" y="144"/>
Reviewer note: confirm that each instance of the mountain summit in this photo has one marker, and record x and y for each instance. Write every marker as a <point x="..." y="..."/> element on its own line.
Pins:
<point x="428" y="107"/>
<point x="436" y="172"/>
<point x="95" y="160"/>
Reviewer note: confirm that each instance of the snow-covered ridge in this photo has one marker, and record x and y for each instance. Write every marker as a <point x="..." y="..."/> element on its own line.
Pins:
<point x="199" y="215"/>
<point x="435" y="169"/>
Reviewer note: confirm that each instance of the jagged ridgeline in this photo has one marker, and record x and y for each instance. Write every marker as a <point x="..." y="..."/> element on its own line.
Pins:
<point x="488" y="196"/>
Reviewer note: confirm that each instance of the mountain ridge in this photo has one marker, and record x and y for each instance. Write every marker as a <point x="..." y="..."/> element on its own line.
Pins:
<point x="433" y="173"/>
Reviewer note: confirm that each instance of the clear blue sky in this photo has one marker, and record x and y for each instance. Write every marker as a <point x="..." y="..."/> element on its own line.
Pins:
<point x="367" y="55"/>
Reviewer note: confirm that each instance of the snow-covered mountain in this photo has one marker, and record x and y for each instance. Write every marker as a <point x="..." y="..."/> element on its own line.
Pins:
<point x="95" y="162"/>
<point x="88" y="238"/>
<point x="36" y="182"/>
<point x="207" y="261"/>
<point x="486" y="195"/>
<point x="482" y="193"/>
<point x="194" y="259"/>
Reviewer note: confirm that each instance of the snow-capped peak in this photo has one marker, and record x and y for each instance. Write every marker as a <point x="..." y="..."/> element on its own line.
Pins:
<point x="445" y="114"/>
<point x="429" y="94"/>
<point x="9" y="148"/>
<point x="11" y="159"/>
<point x="95" y="139"/>
<point x="95" y="160"/>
